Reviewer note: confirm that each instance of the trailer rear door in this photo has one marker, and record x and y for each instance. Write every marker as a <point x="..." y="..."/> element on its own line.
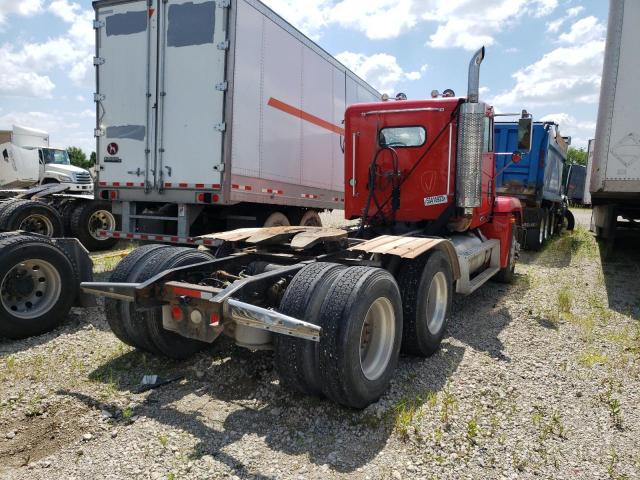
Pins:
<point x="192" y="85"/>
<point x="125" y="93"/>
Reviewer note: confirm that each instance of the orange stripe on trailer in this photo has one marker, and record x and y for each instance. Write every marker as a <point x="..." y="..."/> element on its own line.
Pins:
<point x="307" y="117"/>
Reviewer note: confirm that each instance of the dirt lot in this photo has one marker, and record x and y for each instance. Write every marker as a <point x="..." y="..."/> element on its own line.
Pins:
<point x="537" y="379"/>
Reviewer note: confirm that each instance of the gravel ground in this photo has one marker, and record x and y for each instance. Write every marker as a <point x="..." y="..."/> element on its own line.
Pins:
<point x="537" y="379"/>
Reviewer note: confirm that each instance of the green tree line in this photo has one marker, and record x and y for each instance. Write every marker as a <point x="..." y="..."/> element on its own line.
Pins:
<point x="78" y="158"/>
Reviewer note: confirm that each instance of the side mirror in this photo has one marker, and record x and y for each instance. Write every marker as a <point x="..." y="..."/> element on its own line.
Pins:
<point x="525" y="134"/>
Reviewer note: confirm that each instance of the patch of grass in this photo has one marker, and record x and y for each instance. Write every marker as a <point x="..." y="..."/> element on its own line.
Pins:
<point x="546" y="425"/>
<point x="449" y="405"/>
<point x="472" y="430"/>
<point x="592" y="357"/>
<point x="164" y="440"/>
<point x="612" y="403"/>
<point x="171" y="476"/>
<point x="565" y="300"/>
<point x="127" y="413"/>
<point x="407" y="412"/>
<point x="10" y="363"/>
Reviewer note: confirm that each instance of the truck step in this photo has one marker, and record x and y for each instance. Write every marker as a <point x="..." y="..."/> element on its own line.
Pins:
<point x="482" y="278"/>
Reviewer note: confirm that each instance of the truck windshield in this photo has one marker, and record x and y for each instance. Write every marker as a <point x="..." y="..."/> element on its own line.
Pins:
<point x="50" y="155"/>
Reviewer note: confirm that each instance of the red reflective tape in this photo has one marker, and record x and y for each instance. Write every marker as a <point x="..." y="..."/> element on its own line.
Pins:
<point x="129" y="184"/>
<point x="102" y="184"/>
<point x="248" y="187"/>
<point x="174" y="239"/>
<point x="216" y="186"/>
<point x="129" y="235"/>
<point x="235" y="187"/>
<point x="307" y="117"/>
<point x="116" y="184"/>
<point x="160" y="238"/>
<point x="208" y="241"/>
<point x="199" y="185"/>
<point x="183" y="185"/>
<point x="116" y="234"/>
<point x="144" y="237"/>
<point x="168" y="184"/>
<point x="186" y="292"/>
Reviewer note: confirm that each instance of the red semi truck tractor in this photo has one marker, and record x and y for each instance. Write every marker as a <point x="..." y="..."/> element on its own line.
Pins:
<point x="338" y="305"/>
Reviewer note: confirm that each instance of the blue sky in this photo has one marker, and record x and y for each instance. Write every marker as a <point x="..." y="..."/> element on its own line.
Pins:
<point x="542" y="55"/>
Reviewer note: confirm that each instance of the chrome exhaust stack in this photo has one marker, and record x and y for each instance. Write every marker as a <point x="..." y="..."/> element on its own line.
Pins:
<point x="471" y="142"/>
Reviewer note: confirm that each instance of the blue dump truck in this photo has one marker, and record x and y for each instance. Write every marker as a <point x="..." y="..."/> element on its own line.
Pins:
<point x="535" y="178"/>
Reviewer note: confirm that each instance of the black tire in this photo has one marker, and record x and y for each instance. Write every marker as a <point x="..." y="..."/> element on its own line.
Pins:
<point x="415" y="281"/>
<point x="58" y="289"/>
<point x="276" y="219"/>
<point x="342" y="317"/>
<point x="46" y="220"/>
<point x="83" y="221"/>
<point x="571" y="221"/>
<point x="165" y="342"/>
<point x="534" y="239"/>
<point x="507" y="274"/>
<point x="296" y="359"/>
<point x="66" y="210"/>
<point x="311" y="218"/>
<point x="116" y="311"/>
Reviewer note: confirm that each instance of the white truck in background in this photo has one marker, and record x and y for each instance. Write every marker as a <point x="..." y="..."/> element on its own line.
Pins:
<point x="42" y="193"/>
<point x="227" y="117"/>
<point x="53" y="164"/>
<point x="614" y="168"/>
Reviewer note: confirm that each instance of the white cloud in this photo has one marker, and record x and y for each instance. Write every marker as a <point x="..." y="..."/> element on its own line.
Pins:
<point x="460" y="23"/>
<point x="25" y="71"/>
<point x="380" y="70"/>
<point x="424" y="68"/>
<point x="554" y="26"/>
<point x="584" y="30"/>
<point x="19" y="7"/>
<point x="567" y="74"/>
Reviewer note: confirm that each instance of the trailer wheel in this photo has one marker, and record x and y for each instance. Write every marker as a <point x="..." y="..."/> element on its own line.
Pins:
<point x="296" y="359"/>
<point x="276" y="219"/>
<point x="38" y="283"/>
<point x="118" y="312"/>
<point x="427" y="292"/>
<point x="571" y="221"/>
<point x="361" y="319"/>
<point x="311" y="219"/>
<point x="31" y="216"/>
<point x="165" y="342"/>
<point x="87" y="219"/>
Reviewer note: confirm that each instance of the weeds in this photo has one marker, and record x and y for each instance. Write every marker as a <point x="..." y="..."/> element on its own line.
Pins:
<point x="472" y="430"/>
<point x="564" y="300"/>
<point x="613" y="404"/>
<point x="164" y="440"/>
<point x="592" y="357"/>
<point x="127" y="413"/>
<point x="449" y="405"/>
<point x="552" y="426"/>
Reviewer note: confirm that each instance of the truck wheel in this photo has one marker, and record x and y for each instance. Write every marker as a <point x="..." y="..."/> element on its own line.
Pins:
<point x="311" y="219"/>
<point x="31" y="216"/>
<point x="506" y="274"/>
<point x="361" y="319"/>
<point x="38" y="283"/>
<point x="571" y="221"/>
<point x="276" y="219"/>
<point x="87" y="219"/>
<point x="165" y="342"/>
<point x="296" y="359"/>
<point x="427" y="293"/>
<point x="118" y="312"/>
<point x="535" y="236"/>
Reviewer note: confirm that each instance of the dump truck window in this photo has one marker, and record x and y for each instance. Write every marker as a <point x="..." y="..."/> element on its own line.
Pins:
<point x="414" y="136"/>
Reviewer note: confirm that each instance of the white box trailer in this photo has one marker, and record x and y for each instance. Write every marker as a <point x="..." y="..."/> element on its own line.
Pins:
<point x="615" y="170"/>
<point x="215" y="114"/>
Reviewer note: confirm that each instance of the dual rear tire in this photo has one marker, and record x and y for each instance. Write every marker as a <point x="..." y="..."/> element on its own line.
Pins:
<point x="365" y="324"/>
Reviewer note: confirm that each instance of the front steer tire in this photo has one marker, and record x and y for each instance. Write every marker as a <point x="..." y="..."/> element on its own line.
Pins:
<point x="361" y="320"/>
<point x="296" y="359"/>
<point x="38" y="284"/>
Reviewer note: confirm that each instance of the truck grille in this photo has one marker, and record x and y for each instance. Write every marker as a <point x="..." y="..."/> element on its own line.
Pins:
<point x="83" y="177"/>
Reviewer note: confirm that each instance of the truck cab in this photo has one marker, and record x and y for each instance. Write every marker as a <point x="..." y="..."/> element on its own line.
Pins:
<point x="55" y="167"/>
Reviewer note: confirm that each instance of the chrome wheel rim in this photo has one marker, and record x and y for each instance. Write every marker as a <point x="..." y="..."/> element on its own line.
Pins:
<point x="30" y="289"/>
<point x="101" y="220"/>
<point x="377" y="337"/>
<point x="437" y="299"/>
<point x="37" y="223"/>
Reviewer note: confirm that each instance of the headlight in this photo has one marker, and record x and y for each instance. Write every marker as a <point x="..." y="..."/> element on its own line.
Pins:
<point x="64" y="178"/>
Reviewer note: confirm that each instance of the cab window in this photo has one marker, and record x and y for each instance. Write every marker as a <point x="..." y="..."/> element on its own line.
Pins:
<point x="412" y="136"/>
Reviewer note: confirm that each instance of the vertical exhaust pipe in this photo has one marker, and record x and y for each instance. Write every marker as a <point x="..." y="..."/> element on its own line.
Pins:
<point x="471" y="142"/>
<point x="473" y="88"/>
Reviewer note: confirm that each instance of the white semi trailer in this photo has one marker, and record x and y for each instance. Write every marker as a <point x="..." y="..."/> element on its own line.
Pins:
<point x="214" y="115"/>
<point x="615" y="165"/>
